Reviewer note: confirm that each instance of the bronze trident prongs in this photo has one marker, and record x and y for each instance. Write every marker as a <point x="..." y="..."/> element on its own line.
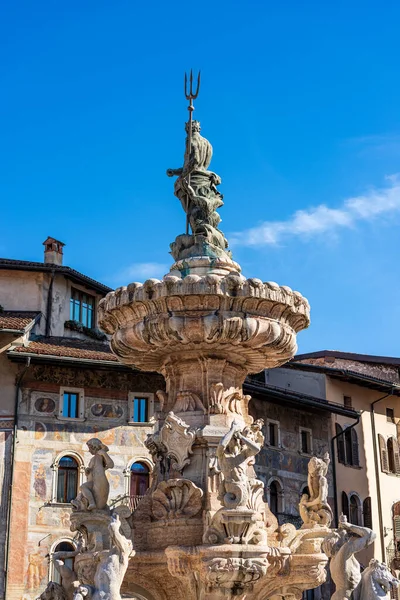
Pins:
<point x="190" y="95"/>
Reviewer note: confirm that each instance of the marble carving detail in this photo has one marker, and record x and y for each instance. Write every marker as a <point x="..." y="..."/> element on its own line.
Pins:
<point x="376" y="582"/>
<point x="176" y="498"/>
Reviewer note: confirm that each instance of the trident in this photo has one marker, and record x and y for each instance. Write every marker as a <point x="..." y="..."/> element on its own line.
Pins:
<point x="190" y="95"/>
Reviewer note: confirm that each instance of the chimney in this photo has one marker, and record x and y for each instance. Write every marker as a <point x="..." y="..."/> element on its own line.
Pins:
<point x="53" y="251"/>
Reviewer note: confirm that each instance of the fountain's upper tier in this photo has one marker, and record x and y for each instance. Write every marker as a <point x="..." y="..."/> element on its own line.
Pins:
<point x="245" y="321"/>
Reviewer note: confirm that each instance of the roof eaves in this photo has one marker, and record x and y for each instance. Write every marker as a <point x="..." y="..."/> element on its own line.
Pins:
<point x="346" y="374"/>
<point x="370" y="358"/>
<point x="21" y="265"/>
<point x="300" y="400"/>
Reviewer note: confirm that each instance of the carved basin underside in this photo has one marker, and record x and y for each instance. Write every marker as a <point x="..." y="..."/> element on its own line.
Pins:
<point x="252" y="322"/>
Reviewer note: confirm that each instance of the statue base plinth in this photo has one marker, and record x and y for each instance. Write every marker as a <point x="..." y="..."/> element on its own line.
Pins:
<point x="93" y="525"/>
<point x="201" y="254"/>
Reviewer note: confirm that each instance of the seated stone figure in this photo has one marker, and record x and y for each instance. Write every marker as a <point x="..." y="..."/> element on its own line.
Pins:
<point x="93" y="494"/>
<point x="314" y="508"/>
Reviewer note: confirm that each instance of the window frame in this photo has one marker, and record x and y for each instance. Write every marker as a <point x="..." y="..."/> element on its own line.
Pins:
<point x="81" y="407"/>
<point x="278" y="433"/>
<point x="390" y="419"/>
<point x="55" y="466"/>
<point x="310" y="441"/>
<point x="150" y="408"/>
<point x="80" y="293"/>
<point x="52" y="568"/>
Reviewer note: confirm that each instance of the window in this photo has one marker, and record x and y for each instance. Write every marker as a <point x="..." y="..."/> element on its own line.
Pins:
<point x="347" y="402"/>
<point x="273" y="433"/>
<point x="68" y="562"/>
<point x="341" y="452"/>
<point x="347" y="446"/>
<point x="139" y="484"/>
<point x="367" y="513"/>
<point x="141" y="407"/>
<point x="393" y="456"/>
<point x="345" y="505"/>
<point x="72" y="404"/>
<point x="390" y="415"/>
<point x="305" y="441"/>
<point x="67" y="479"/>
<point x="383" y="453"/>
<point x="275" y="497"/>
<point x="355" y="510"/>
<point x="81" y="308"/>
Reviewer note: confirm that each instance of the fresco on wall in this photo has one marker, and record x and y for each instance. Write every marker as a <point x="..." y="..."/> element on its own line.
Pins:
<point x="108" y="411"/>
<point x="40" y="431"/>
<point x="39" y="484"/>
<point x="37" y="570"/>
<point x="45" y="405"/>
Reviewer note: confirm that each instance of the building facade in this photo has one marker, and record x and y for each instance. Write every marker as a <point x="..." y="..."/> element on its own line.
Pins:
<point x="60" y="385"/>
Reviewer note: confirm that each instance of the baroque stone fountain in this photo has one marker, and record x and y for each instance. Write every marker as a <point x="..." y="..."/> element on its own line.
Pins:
<point x="203" y="530"/>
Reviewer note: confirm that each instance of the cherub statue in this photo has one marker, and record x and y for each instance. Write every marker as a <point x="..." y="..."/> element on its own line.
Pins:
<point x="196" y="188"/>
<point x="93" y="494"/>
<point x="314" y="508"/>
<point x="341" y="546"/>
<point x="234" y="453"/>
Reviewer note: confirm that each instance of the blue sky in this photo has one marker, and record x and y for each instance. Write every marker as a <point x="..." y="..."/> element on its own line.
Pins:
<point x="300" y="101"/>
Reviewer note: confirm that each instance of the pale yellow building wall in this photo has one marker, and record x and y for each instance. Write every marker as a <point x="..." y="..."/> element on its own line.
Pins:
<point x="363" y="480"/>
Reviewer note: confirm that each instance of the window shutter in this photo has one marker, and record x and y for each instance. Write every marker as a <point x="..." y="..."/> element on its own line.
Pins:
<point x="396" y="453"/>
<point x="354" y="449"/>
<point x="340" y="444"/>
<point x="345" y="505"/>
<point x="367" y="512"/>
<point x="396" y="523"/>
<point x="384" y="454"/>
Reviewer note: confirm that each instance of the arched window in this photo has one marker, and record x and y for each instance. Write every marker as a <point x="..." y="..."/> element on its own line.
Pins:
<point x="273" y="497"/>
<point x="367" y="512"/>
<point x="345" y="505"/>
<point x="354" y="510"/>
<point x="68" y="562"/>
<point x="341" y="454"/>
<point x="139" y="483"/>
<point x="393" y="455"/>
<point x="67" y="479"/>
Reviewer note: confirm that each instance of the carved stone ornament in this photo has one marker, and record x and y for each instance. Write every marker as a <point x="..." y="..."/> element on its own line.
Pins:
<point x="223" y="402"/>
<point x="178" y="440"/>
<point x="176" y="498"/>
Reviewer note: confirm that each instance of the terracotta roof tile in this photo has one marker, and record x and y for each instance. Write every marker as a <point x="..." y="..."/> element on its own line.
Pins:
<point x="68" y="348"/>
<point x="16" y="320"/>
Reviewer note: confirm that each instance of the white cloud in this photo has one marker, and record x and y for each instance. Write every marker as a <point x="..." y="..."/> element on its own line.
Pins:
<point x="141" y="272"/>
<point x="323" y="220"/>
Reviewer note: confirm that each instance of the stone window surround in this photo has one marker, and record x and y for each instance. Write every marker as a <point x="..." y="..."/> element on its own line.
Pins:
<point x="281" y="493"/>
<point x="75" y="390"/>
<point x="52" y="550"/>
<point x="54" y="468"/>
<point x="127" y="471"/>
<point x="278" y="425"/>
<point x="150" y="409"/>
<point x="310" y="439"/>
